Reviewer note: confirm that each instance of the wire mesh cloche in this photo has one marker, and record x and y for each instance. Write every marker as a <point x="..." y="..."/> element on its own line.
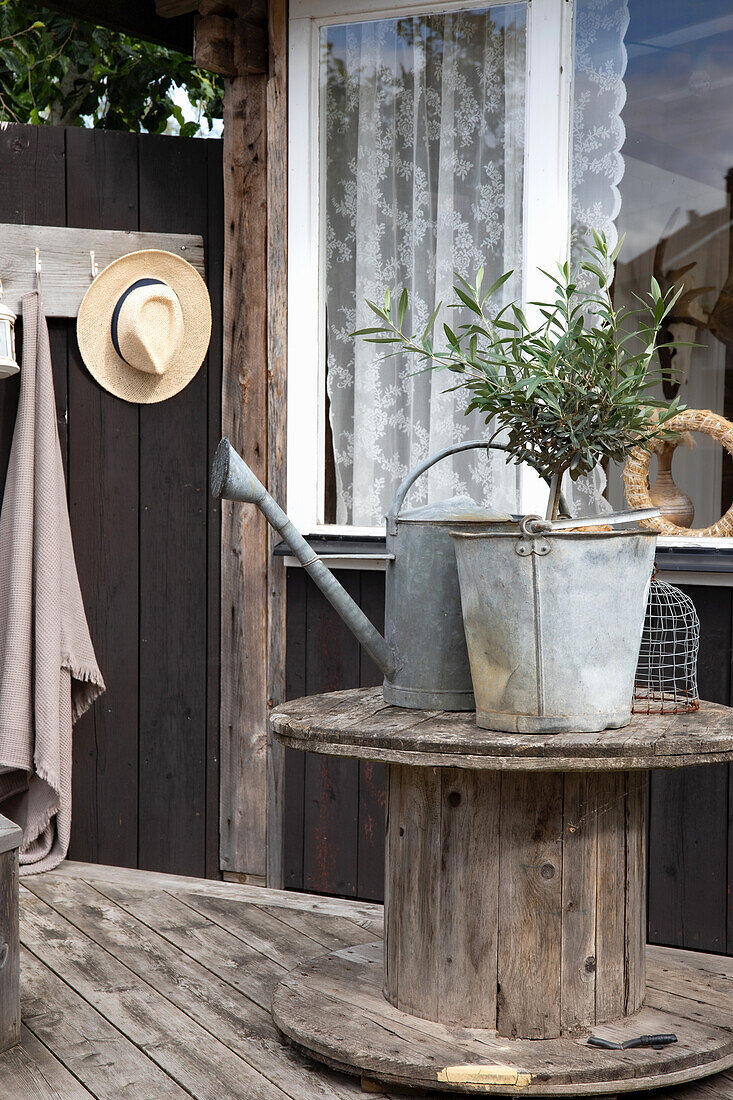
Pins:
<point x="666" y="675"/>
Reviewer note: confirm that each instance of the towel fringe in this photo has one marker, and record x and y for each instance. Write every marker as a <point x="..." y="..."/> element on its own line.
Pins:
<point x="91" y="686"/>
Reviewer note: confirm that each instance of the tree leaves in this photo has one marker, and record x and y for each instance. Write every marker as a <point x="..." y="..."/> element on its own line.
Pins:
<point x="58" y="69"/>
<point x="567" y="393"/>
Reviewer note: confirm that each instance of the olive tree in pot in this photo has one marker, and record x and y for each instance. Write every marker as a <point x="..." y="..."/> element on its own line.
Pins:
<point x="553" y="618"/>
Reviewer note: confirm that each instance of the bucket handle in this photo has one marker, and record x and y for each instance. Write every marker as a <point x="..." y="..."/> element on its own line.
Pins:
<point x="535" y="525"/>
<point x="407" y="483"/>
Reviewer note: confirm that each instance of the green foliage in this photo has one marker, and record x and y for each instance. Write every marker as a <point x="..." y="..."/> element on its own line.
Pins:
<point x="55" y="69"/>
<point x="569" y="391"/>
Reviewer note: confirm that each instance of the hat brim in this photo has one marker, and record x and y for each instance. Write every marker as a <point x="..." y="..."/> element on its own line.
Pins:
<point x="94" y="326"/>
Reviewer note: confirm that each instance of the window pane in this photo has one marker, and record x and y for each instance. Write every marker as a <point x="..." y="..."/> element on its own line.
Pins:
<point x="674" y="180"/>
<point x="422" y="148"/>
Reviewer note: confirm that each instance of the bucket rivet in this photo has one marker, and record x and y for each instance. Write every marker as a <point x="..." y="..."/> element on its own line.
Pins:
<point x="454" y="798"/>
<point x="547" y="870"/>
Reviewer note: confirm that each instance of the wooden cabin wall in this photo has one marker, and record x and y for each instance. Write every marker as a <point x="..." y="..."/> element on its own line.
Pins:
<point x="333" y="821"/>
<point x="146" y="533"/>
<point x="334" y="809"/>
<point x="690" y="835"/>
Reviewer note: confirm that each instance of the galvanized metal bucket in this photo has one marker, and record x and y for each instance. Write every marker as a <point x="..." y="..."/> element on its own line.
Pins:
<point x="553" y="626"/>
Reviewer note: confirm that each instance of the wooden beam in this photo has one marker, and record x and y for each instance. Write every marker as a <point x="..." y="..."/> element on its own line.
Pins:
<point x="277" y="333"/>
<point x="230" y="47"/>
<point x="253" y="415"/>
<point x="10" y="838"/>
<point x="251" y="42"/>
<point x="66" y="262"/>
<point x="244" y="563"/>
<point x="169" y="9"/>
<point x="255" y="10"/>
<point x="213" y="44"/>
<point x="135" y="17"/>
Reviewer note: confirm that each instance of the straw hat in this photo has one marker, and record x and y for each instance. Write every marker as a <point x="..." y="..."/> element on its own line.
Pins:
<point x="144" y="326"/>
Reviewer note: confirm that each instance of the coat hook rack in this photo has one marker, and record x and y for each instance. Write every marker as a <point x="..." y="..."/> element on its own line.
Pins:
<point x="70" y="258"/>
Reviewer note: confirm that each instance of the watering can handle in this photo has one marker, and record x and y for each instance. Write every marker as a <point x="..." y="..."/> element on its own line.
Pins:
<point x="405" y="485"/>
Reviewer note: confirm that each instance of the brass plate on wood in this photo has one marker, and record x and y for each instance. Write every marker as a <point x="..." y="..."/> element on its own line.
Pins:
<point x="333" y="1009"/>
<point x="358" y="723"/>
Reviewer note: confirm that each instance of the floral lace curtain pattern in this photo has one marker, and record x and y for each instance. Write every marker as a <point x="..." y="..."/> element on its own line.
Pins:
<point x="422" y="124"/>
<point x="599" y="95"/>
<point x="597" y="164"/>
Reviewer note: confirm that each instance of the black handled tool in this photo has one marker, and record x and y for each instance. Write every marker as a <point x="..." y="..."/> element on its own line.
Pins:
<point x="656" y="1042"/>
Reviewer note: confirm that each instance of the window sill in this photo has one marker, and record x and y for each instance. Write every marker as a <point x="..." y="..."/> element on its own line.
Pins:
<point x="681" y="564"/>
<point x="695" y="564"/>
<point x="363" y="552"/>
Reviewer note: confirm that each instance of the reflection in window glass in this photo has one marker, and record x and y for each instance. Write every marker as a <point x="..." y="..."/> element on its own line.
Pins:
<point x="675" y="184"/>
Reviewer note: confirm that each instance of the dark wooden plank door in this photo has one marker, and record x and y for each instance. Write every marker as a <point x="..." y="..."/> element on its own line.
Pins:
<point x="103" y="482"/>
<point x="173" y="553"/>
<point x="146" y="534"/>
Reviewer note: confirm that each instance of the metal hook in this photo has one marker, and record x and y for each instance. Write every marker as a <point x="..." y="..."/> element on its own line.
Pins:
<point x="39" y="265"/>
<point x="93" y="265"/>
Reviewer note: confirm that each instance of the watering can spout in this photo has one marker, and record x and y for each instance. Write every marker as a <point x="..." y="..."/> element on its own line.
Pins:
<point x="232" y="479"/>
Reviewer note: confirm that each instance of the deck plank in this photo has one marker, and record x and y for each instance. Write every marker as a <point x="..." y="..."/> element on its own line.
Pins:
<point x="227" y="953"/>
<point x="139" y="985"/>
<point x="357" y="911"/>
<point x="215" y="1000"/>
<point x="331" y="932"/>
<point x="283" y="944"/>
<point x="31" y="1072"/>
<point x="90" y="1047"/>
<point x="188" y="931"/>
<point x="718" y="1087"/>
<point x="170" y="1038"/>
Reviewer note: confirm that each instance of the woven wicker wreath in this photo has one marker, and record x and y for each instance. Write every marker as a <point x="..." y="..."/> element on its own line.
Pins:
<point x="636" y="473"/>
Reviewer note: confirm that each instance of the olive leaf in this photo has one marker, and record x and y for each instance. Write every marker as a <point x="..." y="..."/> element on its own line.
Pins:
<point x="566" y="391"/>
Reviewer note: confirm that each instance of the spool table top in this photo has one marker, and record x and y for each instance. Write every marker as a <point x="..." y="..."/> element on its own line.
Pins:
<point x="358" y="723"/>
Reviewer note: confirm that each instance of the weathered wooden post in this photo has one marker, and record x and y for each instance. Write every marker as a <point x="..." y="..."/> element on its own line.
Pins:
<point x="246" y="42"/>
<point x="10" y="838"/>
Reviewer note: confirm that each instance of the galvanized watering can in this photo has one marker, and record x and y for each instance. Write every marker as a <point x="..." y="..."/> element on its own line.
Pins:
<point x="423" y="657"/>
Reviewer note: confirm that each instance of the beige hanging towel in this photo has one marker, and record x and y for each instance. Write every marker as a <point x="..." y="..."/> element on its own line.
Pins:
<point x="48" y="672"/>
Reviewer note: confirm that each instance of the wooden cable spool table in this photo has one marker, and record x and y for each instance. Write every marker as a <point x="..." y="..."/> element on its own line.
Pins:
<point x="515" y="916"/>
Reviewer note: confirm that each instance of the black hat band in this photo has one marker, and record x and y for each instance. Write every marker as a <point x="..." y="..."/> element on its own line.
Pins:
<point x="118" y="307"/>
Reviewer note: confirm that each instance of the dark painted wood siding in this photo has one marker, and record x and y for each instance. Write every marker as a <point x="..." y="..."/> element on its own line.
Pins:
<point x="690" y="837"/>
<point x="334" y="809"/>
<point x="146" y="534"/>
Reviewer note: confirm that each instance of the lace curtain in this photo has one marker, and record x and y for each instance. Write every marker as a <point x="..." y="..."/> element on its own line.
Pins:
<point x="422" y="123"/>
<point x="597" y="165"/>
<point x="599" y="95"/>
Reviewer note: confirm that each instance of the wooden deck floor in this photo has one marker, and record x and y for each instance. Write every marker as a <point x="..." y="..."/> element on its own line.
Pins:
<point x="138" y="986"/>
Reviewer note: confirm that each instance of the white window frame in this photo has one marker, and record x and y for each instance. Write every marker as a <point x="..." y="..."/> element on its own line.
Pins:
<point x="546" y="213"/>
